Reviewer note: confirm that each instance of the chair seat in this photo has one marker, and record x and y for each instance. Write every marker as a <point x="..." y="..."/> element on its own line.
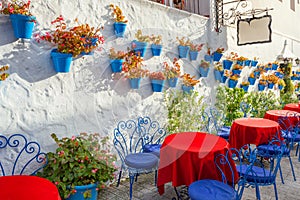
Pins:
<point x="273" y="149"/>
<point x="289" y="136"/>
<point x="152" y="148"/>
<point x="211" y="190"/>
<point x="141" y="160"/>
<point x="256" y="174"/>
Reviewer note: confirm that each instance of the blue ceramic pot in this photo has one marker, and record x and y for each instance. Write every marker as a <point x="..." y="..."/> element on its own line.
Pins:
<point x="240" y="63"/>
<point x="116" y="65"/>
<point x="254" y="63"/>
<point x="61" y="61"/>
<point x="156" y="49"/>
<point x="173" y="82"/>
<point x="280" y="87"/>
<point x="120" y="29"/>
<point x="245" y="87"/>
<point x="204" y="71"/>
<point x="224" y="79"/>
<point x="270" y="85"/>
<point x="22" y="25"/>
<point x="183" y="51"/>
<point x="78" y="195"/>
<point x="227" y="64"/>
<point x="193" y="55"/>
<point x="274" y="66"/>
<point x="217" y="56"/>
<point x="218" y="75"/>
<point x="236" y="71"/>
<point x="251" y="80"/>
<point x="232" y="83"/>
<point x="247" y="62"/>
<point x="135" y="83"/>
<point x="157" y="85"/>
<point x="140" y="48"/>
<point x="187" y="89"/>
<point x="261" y="87"/>
<point x="208" y="58"/>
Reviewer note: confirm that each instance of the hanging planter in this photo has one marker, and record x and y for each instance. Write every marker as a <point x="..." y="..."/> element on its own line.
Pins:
<point x="261" y="87"/>
<point x="236" y="71"/>
<point x="187" y="89"/>
<point x="247" y="62"/>
<point x="224" y="79"/>
<point x="116" y="65"/>
<point x="173" y="82"/>
<point x="62" y="61"/>
<point x="270" y="85"/>
<point x="81" y="191"/>
<point x="241" y="63"/>
<point x="157" y="85"/>
<point x="254" y="63"/>
<point x="120" y="29"/>
<point x="217" y="56"/>
<point x="274" y="66"/>
<point x="139" y="47"/>
<point x="280" y="87"/>
<point x="183" y="51"/>
<point x="23" y="25"/>
<point x="193" y="55"/>
<point x="227" y="64"/>
<point x="156" y="49"/>
<point x="245" y="87"/>
<point x="135" y="83"/>
<point x="208" y="58"/>
<point x="218" y="75"/>
<point x="251" y="80"/>
<point x="204" y="71"/>
<point x="232" y="83"/>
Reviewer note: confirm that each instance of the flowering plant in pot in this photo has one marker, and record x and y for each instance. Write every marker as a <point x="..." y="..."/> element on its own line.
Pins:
<point x="194" y="49"/>
<point x="141" y="43"/>
<point x="116" y="59"/>
<point x="245" y="85"/>
<point x="22" y="19"/>
<point x="184" y="46"/>
<point x="3" y="75"/>
<point x="120" y="20"/>
<point x="156" y="46"/>
<point x="82" y="160"/>
<point x="172" y="71"/>
<point x="188" y="82"/>
<point x="204" y="68"/>
<point x="157" y="80"/>
<point x="218" y="71"/>
<point x="217" y="54"/>
<point x="233" y="79"/>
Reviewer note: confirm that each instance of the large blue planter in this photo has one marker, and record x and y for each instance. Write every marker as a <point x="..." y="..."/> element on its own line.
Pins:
<point x="245" y="87"/>
<point x="247" y="62"/>
<point x="135" y="83"/>
<point x="22" y="25"/>
<point x="208" y="58"/>
<point x="204" y="71"/>
<point x="183" y="51"/>
<point x="224" y="79"/>
<point x="256" y="74"/>
<point x="62" y="61"/>
<point x="232" y="83"/>
<point x="156" y="49"/>
<point x="173" y="82"/>
<point x="157" y="85"/>
<point x="254" y="63"/>
<point x="193" y="55"/>
<point x="227" y="64"/>
<point x="120" y="29"/>
<point x="140" y="48"/>
<point x="236" y="71"/>
<point x="116" y="65"/>
<point x="80" y="191"/>
<point x="274" y="66"/>
<point x="251" y="80"/>
<point x="187" y="89"/>
<point x="217" y="56"/>
<point x="270" y="85"/>
<point x="261" y="87"/>
<point x="241" y="63"/>
<point x="218" y="75"/>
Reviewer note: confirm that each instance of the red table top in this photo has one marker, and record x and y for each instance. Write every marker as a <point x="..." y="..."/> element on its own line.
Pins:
<point x="188" y="157"/>
<point x="292" y="106"/>
<point x="27" y="188"/>
<point x="252" y="131"/>
<point x="275" y="114"/>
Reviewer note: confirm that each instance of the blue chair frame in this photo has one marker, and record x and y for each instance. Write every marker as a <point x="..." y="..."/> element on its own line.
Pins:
<point x="18" y="156"/>
<point x="218" y="121"/>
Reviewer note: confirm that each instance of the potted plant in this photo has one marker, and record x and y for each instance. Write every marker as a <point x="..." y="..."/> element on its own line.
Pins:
<point x="120" y="21"/>
<point x="157" y="80"/>
<point x="245" y="85"/>
<point x="237" y="68"/>
<point x="3" y="74"/>
<point x="141" y="43"/>
<point x="240" y="60"/>
<point x="116" y="59"/>
<point x="233" y="80"/>
<point x="71" y="42"/>
<point x="184" y="47"/>
<point x="80" y="166"/>
<point x="254" y="62"/>
<point x="132" y="69"/>
<point x="226" y="75"/>
<point x="188" y="82"/>
<point x="156" y="46"/>
<point x="172" y="71"/>
<point x="262" y="83"/>
<point x="218" y="71"/>
<point x="204" y="68"/>
<point x="251" y="78"/>
<point x="228" y="61"/>
<point x="194" y="49"/>
<point x="281" y="84"/>
<point x="21" y="17"/>
<point x="217" y="55"/>
<point x="271" y="79"/>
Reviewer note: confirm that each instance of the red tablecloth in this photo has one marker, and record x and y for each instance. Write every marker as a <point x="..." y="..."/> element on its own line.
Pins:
<point x="275" y="114"/>
<point x="252" y="131"/>
<point x="188" y="157"/>
<point x="27" y="188"/>
<point x="292" y="106"/>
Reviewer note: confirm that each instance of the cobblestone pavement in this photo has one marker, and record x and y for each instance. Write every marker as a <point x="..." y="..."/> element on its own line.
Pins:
<point x="144" y="188"/>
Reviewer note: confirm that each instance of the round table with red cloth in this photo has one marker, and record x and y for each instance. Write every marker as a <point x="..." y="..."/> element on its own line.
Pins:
<point x="274" y="115"/>
<point x="292" y="106"/>
<point x="24" y="187"/>
<point x="188" y="157"/>
<point x="252" y="131"/>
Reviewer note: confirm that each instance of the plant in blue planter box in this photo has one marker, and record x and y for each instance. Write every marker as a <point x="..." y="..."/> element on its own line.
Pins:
<point x="262" y="83"/>
<point x="184" y="47"/>
<point x="245" y="85"/>
<point x="116" y="59"/>
<point x="194" y="50"/>
<point x="204" y="68"/>
<point x="233" y="80"/>
<point x="120" y="21"/>
<point x="172" y="71"/>
<point x="217" y="55"/>
<point x="218" y="71"/>
<point x="156" y="46"/>
<point x="140" y="45"/>
<point x="189" y="82"/>
<point x="157" y="81"/>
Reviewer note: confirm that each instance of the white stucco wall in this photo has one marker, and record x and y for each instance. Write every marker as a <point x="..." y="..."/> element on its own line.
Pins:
<point x="36" y="101"/>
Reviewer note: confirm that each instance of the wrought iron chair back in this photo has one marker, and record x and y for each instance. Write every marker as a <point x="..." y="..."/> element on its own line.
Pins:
<point x="218" y="119"/>
<point x="207" y="122"/>
<point x="19" y="156"/>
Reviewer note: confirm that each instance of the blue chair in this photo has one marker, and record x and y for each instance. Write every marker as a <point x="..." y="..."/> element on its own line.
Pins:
<point x="18" y="156"/>
<point x="261" y="172"/>
<point x="208" y="189"/>
<point x="245" y="108"/>
<point x="218" y="121"/>
<point x="206" y="120"/>
<point x="130" y="137"/>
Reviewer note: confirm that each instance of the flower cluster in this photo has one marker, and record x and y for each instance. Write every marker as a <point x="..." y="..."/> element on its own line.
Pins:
<point x="204" y="64"/>
<point x="189" y="81"/>
<point x="75" y="40"/>
<point x="116" y="54"/>
<point x="245" y="83"/>
<point x="142" y="38"/>
<point x="234" y="77"/>
<point x="117" y="14"/>
<point x="157" y="75"/>
<point x="4" y="75"/>
<point x="132" y="66"/>
<point x="15" y="7"/>
<point x="172" y="71"/>
<point x="196" y="47"/>
<point x="183" y="42"/>
<point x="220" y="50"/>
<point x="80" y="160"/>
<point x="218" y="66"/>
<point x="272" y="78"/>
<point x="263" y="80"/>
<point x="237" y="67"/>
<point x="155" y="39"/>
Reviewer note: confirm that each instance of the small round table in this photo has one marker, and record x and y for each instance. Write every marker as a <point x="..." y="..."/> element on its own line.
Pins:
<point x="292" y="106"/>
<point x="252" y="131"/>
<point x="274" y="115"/>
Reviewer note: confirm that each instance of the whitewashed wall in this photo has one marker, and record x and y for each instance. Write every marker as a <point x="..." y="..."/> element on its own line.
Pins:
<point x="36" y="101"/>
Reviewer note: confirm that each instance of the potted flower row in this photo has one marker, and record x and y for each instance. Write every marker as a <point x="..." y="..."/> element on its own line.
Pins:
<point x="140" y="44"/>
<point x="120" y="23"/>
<point x="214" y="56"/>
<point x="187" y="47"/>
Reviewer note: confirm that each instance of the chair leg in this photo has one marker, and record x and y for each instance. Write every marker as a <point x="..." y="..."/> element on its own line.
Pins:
<point x="275" y="190"/>
<point x="131" y="181"/>
<point x="120" y="174"/>
<point x="136" y="177"/>
<point x="155" y="178"/>
<point x="292" y="168"/>
<point x="280" y="172"/>
<point x="257" y="192"/>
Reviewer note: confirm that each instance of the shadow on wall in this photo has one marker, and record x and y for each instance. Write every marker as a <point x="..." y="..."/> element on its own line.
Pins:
<point x="6" y="30"/>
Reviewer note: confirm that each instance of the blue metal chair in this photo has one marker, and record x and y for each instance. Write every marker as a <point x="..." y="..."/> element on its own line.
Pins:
<point x="19" y="156"/>
<point x="206" y="121"/>
<point x="218" y="121"/>
<point x="245" y="108"/>
<point x="261" y="172"/>
<point x="130" y="138"/>
<point x="214" y="189"/>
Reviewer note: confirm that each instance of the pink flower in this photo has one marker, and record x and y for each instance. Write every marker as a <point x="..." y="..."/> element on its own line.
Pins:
<point x="94" y="170"/>
<point x="73" y="138"/>
<point x="56" y="183"/>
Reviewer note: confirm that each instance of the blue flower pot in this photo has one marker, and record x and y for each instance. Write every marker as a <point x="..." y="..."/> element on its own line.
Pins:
<point x="193" y="55"/>
<point x="224" y="79"/>
<point x="240" y="62"/>
<point x="61" y="61"/>
<point x="274" y="66"/>
<point x="254" y="63"/>
<point x="280" y="87"/>
<point x="293" y="78"/>
<point x="135" y="83"/>
<point x="245" y="87"/>
<point x="120" y="29"/>
<point x="91" y="42"/>
<point x="187" y="89"/>
<point x="80" y="191"/>
<point x="204" y="71"/>
<point x="208" y="58"/>
<point x="116" y="65"/>
<point x="247" y="62"/>
<point x="261" y="87"/>
<point x="279" y="75"/>
<point x="251" y="80"/>
<point x="22" y="25"/>
<point x="218" y="75"/>
<point x="297" y="72"/>
<point x="217" y="56"/>
<point x="236" y="71"/>
<point x="270" y="85"/>
<point x="256" y="74"/>
<point x="232" y="83"/>
<point x="173" y="82"/>
<point x="140" y="48"/>
<point x="157" y="85"/>
<point x="183" y="51"/>
<point x="156" y="49"/>
<point x="227" y="64"/>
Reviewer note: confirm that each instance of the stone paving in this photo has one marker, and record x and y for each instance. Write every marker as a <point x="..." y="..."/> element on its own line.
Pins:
<point x="144" y="188"/>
